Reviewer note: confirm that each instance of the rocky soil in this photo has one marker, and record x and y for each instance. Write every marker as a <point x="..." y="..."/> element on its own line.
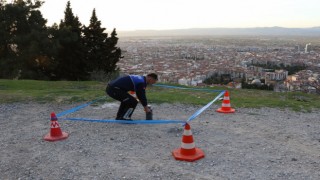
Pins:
<point x="248" y="144"/>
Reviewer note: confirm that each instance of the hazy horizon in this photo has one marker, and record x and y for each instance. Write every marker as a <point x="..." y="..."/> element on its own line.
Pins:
<point x="266" y="27"/>
<point x="128" y="15"/>
<point x="263" y="31"/>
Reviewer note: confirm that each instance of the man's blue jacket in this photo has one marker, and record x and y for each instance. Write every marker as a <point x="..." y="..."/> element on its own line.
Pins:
<point x="132" y="83"/>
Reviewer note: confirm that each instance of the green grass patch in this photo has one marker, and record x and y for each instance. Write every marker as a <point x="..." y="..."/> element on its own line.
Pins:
<point x="49" y="91"/>
<point x="84" y="91"/>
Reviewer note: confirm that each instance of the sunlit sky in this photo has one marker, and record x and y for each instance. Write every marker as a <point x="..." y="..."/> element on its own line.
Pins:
<point x="183" y="14"/>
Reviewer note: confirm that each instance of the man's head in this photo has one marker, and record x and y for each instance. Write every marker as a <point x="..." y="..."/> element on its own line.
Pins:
<point x="152" y="78"/>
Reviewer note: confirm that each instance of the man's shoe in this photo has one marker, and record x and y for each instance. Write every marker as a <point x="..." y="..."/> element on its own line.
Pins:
<point x="124" y="119"/>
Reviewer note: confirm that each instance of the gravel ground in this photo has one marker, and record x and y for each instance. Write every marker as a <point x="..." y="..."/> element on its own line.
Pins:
<point x="249" y="144"/>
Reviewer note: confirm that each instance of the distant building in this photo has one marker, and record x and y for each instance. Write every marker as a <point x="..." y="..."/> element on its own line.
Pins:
<point x="307" y="49"/>
<point x="184" y="81"/>
<point x="278" y="75"/>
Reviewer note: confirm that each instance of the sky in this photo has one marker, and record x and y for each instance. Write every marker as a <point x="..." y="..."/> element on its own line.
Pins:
<point x="127" y="15"/>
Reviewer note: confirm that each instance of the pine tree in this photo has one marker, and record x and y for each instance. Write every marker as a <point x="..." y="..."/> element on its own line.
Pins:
<point x="7" y="62"/>
<point x="114" y="53"/>
<point x="95" y="41"/>
<point x="36" y="58"/>
<point x="71" y="60"/>
<point x="22" y="32"/>
<point x="31" y="50"/>
<point x="102" y="51"/>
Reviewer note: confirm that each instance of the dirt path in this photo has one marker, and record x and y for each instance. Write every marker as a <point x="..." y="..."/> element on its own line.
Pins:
<point x="249" y="144"/>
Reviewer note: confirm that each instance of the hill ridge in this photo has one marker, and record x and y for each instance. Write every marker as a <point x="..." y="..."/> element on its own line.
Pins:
<point x="256" y="31"/>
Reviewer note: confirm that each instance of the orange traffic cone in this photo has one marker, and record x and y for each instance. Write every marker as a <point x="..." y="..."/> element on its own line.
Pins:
<point x="187" y="151"/>
<point x="55" y="133"/>
<point x="226" y="107"/>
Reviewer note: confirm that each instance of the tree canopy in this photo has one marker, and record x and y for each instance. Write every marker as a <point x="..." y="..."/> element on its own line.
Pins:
<point x="29" y="49"/>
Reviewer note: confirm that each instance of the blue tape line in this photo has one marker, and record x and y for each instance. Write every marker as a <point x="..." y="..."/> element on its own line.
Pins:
<point x="77" y="108"/>
<point x="204" y="107"/>
<point x="126" y="122"/>
<point x="177" y="87"/>
<point x="142" y="121"/>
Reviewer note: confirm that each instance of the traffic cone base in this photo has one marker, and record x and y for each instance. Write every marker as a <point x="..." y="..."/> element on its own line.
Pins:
<point x="48" y="137"/>
<point x="187" y="151"/>
<point x="178" y="156"/>
<point x="222" y="110"/>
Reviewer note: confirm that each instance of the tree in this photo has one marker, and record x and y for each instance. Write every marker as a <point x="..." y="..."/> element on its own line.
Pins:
<point x="7" y="63"/>
<point x="31" y="50"/>
<point x="71" y="59"/>
<point x="35" y="55"/>
<point x="102" y="53"/>
<point x="22" y="32"/>
<point x="213" y="79"/>
<point x="309" y="86"/>
<point x="95" y="42"/>
<point x="114" y="53"/>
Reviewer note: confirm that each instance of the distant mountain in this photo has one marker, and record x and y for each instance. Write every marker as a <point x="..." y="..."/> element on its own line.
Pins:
<point x="259" y="31"/>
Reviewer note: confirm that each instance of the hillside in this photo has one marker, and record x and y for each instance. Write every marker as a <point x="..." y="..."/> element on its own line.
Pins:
<point x="259" y="31"/>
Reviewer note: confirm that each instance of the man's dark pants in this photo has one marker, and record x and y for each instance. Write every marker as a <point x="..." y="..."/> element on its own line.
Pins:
<point x="127" y="101"/>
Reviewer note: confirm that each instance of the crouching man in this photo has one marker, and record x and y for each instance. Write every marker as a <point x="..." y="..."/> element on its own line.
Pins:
<point x="118" y="89"/>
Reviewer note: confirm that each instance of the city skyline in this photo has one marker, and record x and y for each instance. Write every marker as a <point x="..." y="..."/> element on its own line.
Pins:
<point x="126" y="15"/>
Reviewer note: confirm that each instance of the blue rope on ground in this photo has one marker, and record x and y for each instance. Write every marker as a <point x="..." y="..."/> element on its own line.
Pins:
<point x="126" y="122"/>
<point x="77" y="108"/>
<point x="204" y="107"/>
<point x="142" y="121"/>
